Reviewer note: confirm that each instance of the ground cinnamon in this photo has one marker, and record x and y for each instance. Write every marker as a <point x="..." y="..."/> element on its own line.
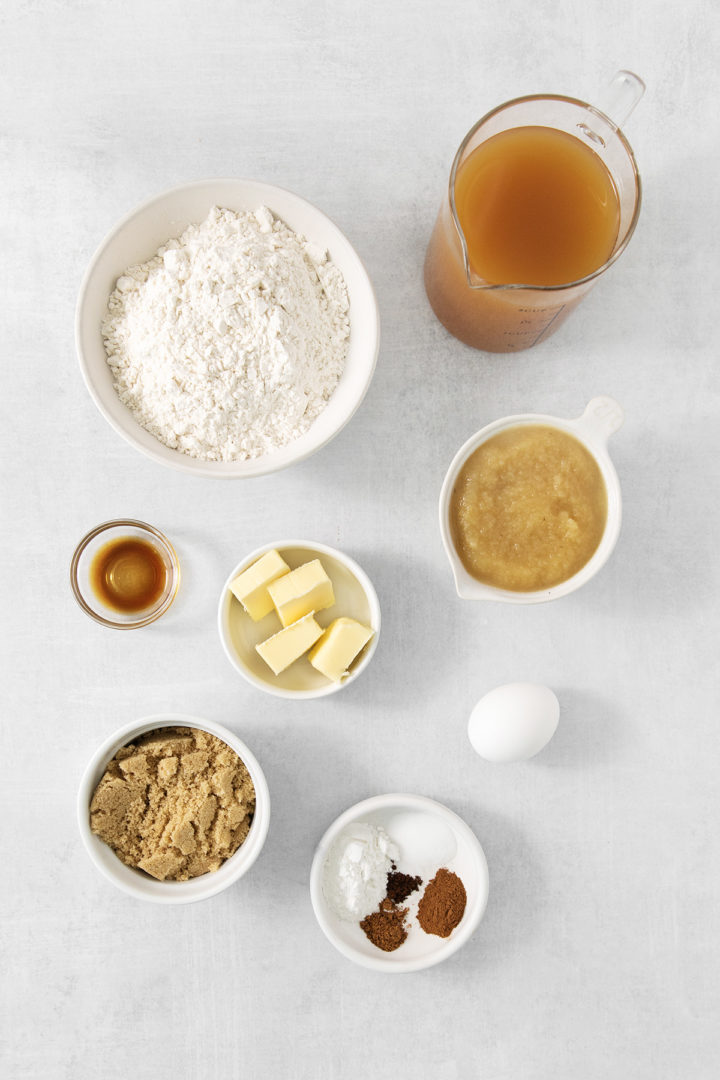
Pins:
<point x="442" y="904"/>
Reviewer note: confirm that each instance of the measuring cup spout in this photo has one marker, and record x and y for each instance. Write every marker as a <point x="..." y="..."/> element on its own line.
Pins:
<point x="474" y="281"/>
<point x="620" y="97"/>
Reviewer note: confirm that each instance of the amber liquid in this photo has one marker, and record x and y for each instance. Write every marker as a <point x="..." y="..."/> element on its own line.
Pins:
<point x="537" y="207"/>
<point x="129" y="575"/>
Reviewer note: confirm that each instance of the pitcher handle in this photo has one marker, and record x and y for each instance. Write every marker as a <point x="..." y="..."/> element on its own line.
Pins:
<point x="620" y="97"/>
<point x="602" y="418"/>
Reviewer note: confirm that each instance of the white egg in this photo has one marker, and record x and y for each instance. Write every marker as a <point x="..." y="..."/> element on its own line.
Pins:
<point x="513" y="722"/>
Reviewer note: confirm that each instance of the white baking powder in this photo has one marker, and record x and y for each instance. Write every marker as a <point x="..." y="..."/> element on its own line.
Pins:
<point x="356" y="870"/>
<point x="229" y="342"/>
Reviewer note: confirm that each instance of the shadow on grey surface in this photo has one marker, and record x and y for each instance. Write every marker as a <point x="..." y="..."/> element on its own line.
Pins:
<point x="660" y="565"/>
<point x="590" y="732"/>
<point x="515" y="898"/>
<point x="400" y="676"/>
<point x="200" y="558"/>
<point x="314" y="774"/>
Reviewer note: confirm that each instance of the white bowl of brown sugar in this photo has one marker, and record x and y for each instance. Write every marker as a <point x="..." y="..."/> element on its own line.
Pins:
<point x="399" y="883"/>
<point x="173" y="809"/>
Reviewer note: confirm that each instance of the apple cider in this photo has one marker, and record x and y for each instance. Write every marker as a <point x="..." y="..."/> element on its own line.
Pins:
<point x="538" y="210"/>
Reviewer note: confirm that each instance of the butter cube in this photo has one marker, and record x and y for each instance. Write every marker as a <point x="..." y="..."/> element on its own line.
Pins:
<point x="338" y="647"/>
<point x="303" y="590"/>
<point x="284" y="648"/>
<point x="251" y="587"/>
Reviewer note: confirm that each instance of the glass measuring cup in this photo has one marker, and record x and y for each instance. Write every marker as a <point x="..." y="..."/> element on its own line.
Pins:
<point x="511" y="317"/>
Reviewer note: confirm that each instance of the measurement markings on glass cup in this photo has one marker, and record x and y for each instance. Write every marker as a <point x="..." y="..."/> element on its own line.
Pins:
<point x="530" y="323"/>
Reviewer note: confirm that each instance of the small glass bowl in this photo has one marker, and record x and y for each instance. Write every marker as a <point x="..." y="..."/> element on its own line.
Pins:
<point x="82" y="560"/>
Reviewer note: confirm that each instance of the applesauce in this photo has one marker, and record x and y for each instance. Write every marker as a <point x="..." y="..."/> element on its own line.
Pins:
<point x="528" y="508"/>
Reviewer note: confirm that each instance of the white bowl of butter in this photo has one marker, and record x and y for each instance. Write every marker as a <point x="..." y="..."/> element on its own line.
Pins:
<point x="298" y="619"/>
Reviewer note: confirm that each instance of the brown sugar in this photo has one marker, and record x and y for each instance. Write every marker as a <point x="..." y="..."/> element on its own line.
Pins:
<point x="176" y="803"/>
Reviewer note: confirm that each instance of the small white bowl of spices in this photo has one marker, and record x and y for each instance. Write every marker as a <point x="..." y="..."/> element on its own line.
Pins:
<point x="195" y="777"/>
<point x="227" y="328"/>
<point x="399" y="883"/>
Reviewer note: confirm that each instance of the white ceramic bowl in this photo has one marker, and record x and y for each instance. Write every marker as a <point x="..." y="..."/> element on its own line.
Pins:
<point x="135" y="882"/>
<point x="137" y="238"/>
<point x="354" y="596"/>
<point x="420" y="950"/>
<point x="601" y="418"/>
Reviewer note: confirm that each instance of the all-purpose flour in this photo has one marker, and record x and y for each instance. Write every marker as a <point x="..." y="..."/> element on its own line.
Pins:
<point x="229" y="342"/>
<point x="356" y="869"/>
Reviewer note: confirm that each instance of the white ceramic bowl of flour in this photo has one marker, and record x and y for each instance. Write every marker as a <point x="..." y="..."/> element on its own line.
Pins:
<point x="137" y="238"/>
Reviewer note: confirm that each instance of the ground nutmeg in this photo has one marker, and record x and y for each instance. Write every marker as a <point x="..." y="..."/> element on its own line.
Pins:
<point x="386" y="927"/>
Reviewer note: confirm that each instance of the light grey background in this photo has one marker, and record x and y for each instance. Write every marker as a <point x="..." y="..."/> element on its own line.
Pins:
<point x="598" y="955"/>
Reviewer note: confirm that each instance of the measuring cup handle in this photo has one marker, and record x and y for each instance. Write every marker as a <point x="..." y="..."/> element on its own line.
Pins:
<point x="620" y="97"/>
<point x="603" y="416"/>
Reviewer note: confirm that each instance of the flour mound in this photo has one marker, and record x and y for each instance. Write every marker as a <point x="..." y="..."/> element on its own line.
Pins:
<point x="356" y="870"/>
<point x="229" y="342"/>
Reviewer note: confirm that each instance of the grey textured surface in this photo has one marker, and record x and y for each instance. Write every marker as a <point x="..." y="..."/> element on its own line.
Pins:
<point x="598" y="955"/>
